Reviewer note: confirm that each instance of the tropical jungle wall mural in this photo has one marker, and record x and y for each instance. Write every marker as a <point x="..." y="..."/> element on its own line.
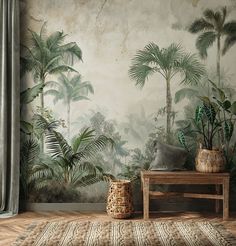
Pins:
<point x="103" y="80"/>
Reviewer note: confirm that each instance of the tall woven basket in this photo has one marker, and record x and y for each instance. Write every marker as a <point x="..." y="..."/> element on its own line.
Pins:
<point x="210" y="161"/>
<point x="119" y="201"/>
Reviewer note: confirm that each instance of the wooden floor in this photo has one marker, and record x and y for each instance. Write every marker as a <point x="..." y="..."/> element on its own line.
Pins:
<point x="11" y="228"/>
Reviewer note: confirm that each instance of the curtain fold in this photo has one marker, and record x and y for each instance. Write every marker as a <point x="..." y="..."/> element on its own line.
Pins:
<point x="9" y="107"/>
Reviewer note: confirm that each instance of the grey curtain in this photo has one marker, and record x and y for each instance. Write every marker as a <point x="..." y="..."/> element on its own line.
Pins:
<point x="9" y="107"/>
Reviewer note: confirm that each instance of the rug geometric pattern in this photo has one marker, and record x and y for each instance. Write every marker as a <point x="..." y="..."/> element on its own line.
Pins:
<point x="127" y="233"/>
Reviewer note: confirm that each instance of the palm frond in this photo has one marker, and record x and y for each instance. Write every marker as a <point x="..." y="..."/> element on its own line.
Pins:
<point x="84" y="137"/>
<point x="37" y="42"/>
<point x="218" y="20"/>
<point x="224" y="14"/>
<point x="41" y="171"/>
<point x="230" y="30"/>
<point x="42" y="124"/>
<point x="42" y="33"/>
<point x="140" y="74"/>
<point x="191" y="69"/>
<point x="94" y="146"/>
<point x="200" y="25"/>
<point x="52" y="62"/>
<point x="61" y="69"/>
<point x="204" y="41"/>
<point x="148" y="55"/>
<point x="229" y="42"/>
<point x="209" y="14"/>
<point x="71" y="52"/>
<point x="55" y="40"/>
<point x="29" y="151"/>
<point x="170" y="55"/>
<point x="76" y="79"/>
<point x="52" y="83"/>
<point x="183" y="93"/>
<point x="57" y="146"/>
<point x="87" y="167"/>
<point x="86" y="181"/>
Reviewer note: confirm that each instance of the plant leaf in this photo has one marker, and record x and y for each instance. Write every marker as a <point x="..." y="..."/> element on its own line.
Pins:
<point x="26" y="127"/>
<point x="233" y="108"/>
<point x="30" y="94"/>
<point x="210" y="112"/>
<point x="228" y="129"/>
<point x="199" y="113"/>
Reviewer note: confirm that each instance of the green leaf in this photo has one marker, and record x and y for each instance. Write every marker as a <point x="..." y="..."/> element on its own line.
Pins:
<point x="58" y="146"/>
<point x="30" y="94"/>
<point x="29" y="151"/>
<point x="219" y="94"/>
<point x="228" y="129"/>
<point x="84" y="137"/>
<point x="199" y="113"/>
<point x="210" y="112"/>
<point x="200" y="25"/>
<point x="181" y="139"/>
<point x="185" y="93"/>
<point x="233" y="108"/>
<point x="204" y="41"/>
<point x="26" y="127"/>
<point x="204" y="99"/>
<point x="226" y="104"/>
<point x="60" y="69"/>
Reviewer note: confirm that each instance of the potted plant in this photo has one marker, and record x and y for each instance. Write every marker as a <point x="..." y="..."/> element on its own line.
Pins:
<point x="212" y="127"/>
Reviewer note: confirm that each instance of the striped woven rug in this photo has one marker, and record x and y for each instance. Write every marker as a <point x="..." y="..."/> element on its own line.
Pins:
<point x="126" y="233"/>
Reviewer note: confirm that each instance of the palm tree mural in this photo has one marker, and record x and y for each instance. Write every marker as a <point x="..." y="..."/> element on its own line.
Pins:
<point x="212" y="27"/>
<point x="70" y="166"/>
<point x="48" y="55"/>
<point x="69" y="90"/>
<point x="168" y="62"/>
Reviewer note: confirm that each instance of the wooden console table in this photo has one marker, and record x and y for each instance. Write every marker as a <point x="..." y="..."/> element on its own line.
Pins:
<point x="186" y="177"/>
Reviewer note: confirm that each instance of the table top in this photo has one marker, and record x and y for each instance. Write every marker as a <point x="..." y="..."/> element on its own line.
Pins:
<point x="182" y="173"/>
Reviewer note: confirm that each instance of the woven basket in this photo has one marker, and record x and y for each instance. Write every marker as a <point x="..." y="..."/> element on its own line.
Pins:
<point x="210" y="161"/>
<point x="119" y="201"/>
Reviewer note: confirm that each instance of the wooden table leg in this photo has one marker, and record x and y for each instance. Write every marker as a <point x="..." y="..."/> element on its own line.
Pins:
<point x="226" y="199"/>
<point x="217" y="202"/>
<point x="146" y="198"/>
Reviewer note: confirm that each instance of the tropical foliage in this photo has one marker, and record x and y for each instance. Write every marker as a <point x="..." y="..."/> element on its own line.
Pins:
<point x="65" y="166"/>
<point x="71" y="164"/>
<point x="48" y="55"/>
<point x="55" y="168"/>
<point x="212" y="27"/>
<point x="69" y="90"/>
<point x="214" y="121"/>
<point x="168" y="62"/>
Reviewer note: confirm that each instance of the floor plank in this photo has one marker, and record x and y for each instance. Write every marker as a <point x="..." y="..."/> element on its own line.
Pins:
<point x="11" y="228"/>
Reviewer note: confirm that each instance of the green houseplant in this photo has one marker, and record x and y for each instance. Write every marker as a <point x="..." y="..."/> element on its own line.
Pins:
<point x="212" y="127"/>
